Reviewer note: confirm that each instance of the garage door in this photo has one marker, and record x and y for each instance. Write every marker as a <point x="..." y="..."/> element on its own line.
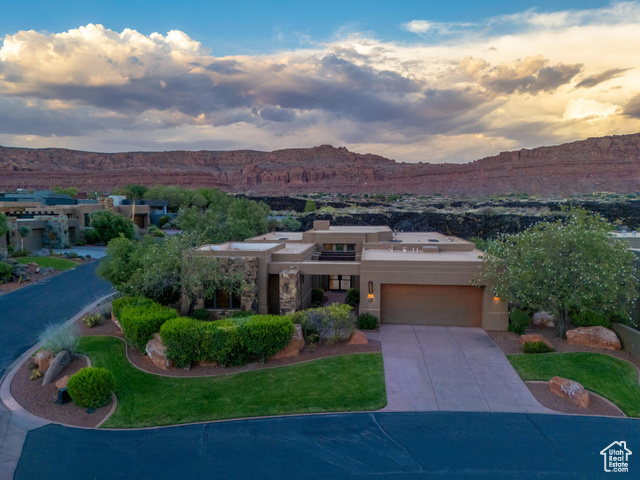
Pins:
<point x="431" y="305"/>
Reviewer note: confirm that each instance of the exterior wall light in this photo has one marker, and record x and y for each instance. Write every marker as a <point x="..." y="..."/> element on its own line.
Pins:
<point x="496" y="298"/>
<point x="370" y="294"/>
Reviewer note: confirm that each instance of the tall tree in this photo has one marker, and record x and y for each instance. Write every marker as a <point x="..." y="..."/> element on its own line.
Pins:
<point x="557" y="266"/>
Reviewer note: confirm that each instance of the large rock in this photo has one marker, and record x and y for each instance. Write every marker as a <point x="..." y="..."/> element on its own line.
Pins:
<point x="32" y="268"/>
<point x="58" y="364"/>
<point x="534" y="338"/>
<point x="295" y="345"/>
<point x="570" y="390"/>
<point x="42" y="252"/>
<point x="598" y="337"/>
<point x="357" y="338"/>
<point x="157" y="352"/>
<point x="542" y="319"/>
<point x="44" y="359"/>
<point x="62" y="383"/>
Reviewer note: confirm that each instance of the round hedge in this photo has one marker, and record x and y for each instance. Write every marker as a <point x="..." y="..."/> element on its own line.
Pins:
<point x="91" y="387"/>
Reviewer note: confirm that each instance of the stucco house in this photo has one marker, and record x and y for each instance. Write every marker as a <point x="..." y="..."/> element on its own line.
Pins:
<point x="404" y="278"/>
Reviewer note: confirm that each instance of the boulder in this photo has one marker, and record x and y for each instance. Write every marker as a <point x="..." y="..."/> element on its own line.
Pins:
<point x="42" y="252"/>
<point x="295" y="345"/>
<point x="58" y="364"/>
<point x="157" y="352"/>
<point x="357" y="338"/>
<point x="62" y="383"/>
<point x="43" y="360"/>
<point x="570" y="390"/>
<point x="32" y="268"/>
<point x="598" y="337"/>
<point x="535" y="338"/>
<point x="543" y="320"/>
<point x="45" y="270"/>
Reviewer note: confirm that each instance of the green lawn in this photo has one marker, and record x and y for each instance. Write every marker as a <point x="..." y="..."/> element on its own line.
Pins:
<point x="57" y="263"/>
<point x="608" y="376"/>
<point x="347" y="383"/>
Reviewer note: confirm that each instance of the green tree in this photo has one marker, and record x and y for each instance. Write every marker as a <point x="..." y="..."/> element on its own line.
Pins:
<point x="71" y="191"/>
<point x="108" y="226"/>
<point x="570" y="263"/>
<point x="310" y="206"/>
<point x="24" y="232"/>
<point x="134" y="191"/>
<point x="4" y="224"/>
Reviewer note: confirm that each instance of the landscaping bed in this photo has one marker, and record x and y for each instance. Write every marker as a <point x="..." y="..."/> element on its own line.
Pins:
<point x="597" y="405"/>
<point x="40" y="400"/>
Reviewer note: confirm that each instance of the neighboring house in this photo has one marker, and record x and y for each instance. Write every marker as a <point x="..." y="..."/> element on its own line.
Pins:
<point x="56" y="225"/>
<point x="408" y="278"/>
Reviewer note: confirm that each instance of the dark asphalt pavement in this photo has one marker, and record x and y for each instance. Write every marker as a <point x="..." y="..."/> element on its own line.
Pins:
<point x="388" y="445"/>
<point x="25" y="312"/>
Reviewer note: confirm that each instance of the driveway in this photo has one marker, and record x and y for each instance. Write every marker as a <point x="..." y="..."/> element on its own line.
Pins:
<point x="450" y="369"/>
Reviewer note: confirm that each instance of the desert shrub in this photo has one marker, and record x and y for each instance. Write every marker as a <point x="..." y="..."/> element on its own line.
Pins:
<point x="518" y="321"/>
<point x="366" y="321"/>
<point x="331" y="324"/>
<point x="18" y="253"/>
<point x="265" y="335"/>
<point x="91" y="387"/>
<point x="182" y="338"/>
<point x="5" y="269"/>
<point x="353" y="297"/>
<point x="310" y="206"/>
<point x="201" y="314"/>
<point x="92" y="320"/>
<point x="122" y="302"/>
<point x="317" y="294"/>
<point x="589" y="318"/>
<point x="297" y="317"/>
<point x="164" y="219"/>
<point x="536" y="347"/>
<point x="91" y="236"/>
<point x="140" y="322"/>
<point x="58" y="337"/>
<point x="103" y="309"/>
<point x="36" y="374"/>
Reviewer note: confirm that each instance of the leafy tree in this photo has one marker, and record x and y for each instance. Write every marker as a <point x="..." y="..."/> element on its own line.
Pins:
<point x="134" y="191"/>
<point x="247" y="218"/>
<point x="570" y="263"/>
<point x="310" y="206"/>
<point x="71" y="191"/>
<point x="291" y="224"/>
<point x="4" y="224"/>
<point x="24" y="232"/>
<point x="108" y="225"/>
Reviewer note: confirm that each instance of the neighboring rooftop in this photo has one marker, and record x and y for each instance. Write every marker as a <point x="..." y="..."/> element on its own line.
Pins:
<point x="239" y="247"/>
<point x="420" y="256"/>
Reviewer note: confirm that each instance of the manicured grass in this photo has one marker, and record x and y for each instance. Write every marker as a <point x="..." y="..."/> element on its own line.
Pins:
<point x="347" y="383"/>
<point x="608" y="376"/>
<point x="57" y="263"/>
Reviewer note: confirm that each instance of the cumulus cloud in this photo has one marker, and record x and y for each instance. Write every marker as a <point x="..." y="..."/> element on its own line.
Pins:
<point x="456" y="100"/>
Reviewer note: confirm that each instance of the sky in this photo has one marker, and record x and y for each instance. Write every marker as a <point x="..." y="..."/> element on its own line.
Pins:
<point x="431" y="81"/>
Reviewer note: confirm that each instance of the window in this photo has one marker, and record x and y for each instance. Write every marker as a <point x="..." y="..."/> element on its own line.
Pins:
<point x="351" y="247"/>
<point x="222" y="300"/>
<point x="339" y="282"/>
<point x="328" y="247"/>
<point x="339" y="247"/>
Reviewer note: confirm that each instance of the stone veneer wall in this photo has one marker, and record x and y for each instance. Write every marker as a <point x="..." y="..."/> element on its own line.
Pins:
<point x="290" y="291"/>
<point x="107" y="204"/>
<point x="56" y="235"/>
<point x="248" y="266"/>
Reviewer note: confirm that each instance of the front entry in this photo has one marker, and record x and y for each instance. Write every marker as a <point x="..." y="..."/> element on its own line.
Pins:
<point x="339" y="282"/>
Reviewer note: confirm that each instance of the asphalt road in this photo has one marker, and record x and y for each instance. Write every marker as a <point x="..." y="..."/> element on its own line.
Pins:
<point x="25" y="312"/>
<point x="388" y="445"/>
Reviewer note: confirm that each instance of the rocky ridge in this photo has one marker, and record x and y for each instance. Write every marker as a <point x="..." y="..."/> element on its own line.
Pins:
<point x="596" y="164"/>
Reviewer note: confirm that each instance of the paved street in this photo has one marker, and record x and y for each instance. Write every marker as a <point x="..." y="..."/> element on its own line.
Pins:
<point x="25" y="312"/>
<point x="392" y="445"/>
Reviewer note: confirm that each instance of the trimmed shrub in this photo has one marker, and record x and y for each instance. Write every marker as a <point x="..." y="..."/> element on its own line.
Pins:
<point x="536" y="347"/>
<point x="140" y="322"/>
<point x="224" y="343"/>
<point x="331" y="324"/>
<point x="5" y="269"/>
<point x="265" y="335"/>
<point x="201" y="314"/>
<point x="182" y="338"/>
<point x="589" y="318"/>
<point x="353" y="297"/>
<point x="518" y="321"/>
<point x="119" y="303"/>
<point x="316" y="295"/>
<point x="366" y="321"/>
<point x="91" y="387"/>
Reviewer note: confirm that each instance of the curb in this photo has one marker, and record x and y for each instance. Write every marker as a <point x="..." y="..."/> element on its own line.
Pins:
<point x="5" y="388"/>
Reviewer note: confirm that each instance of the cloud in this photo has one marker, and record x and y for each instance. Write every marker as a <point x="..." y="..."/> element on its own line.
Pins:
<point x="504" y="83"/>
<point x="593" y="80"/>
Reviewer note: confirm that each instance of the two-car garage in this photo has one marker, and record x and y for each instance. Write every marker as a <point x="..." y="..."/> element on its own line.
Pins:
<point x="451" y="305"/>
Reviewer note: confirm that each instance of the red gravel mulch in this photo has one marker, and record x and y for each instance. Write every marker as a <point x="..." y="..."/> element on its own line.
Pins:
<point x="509" y="343"/>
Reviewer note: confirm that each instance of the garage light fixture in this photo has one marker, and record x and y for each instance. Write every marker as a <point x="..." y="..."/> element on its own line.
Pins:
<point x="370" y="295"/>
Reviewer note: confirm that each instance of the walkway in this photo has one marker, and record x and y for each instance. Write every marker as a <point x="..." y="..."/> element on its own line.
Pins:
<point x="450" y="369"/>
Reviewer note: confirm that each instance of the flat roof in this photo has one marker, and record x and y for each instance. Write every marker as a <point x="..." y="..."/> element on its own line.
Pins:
<point x="278" y="236"/>
<point x="426" y="237"/>
<point x="419" y="256"/>
<point x="361" y="229"/>
<point x="239" y="246"/>
<point x="295" y="248"/>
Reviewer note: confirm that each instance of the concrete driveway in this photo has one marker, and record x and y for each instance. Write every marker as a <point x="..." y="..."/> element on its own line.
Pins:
<point x="450" y="369"/>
